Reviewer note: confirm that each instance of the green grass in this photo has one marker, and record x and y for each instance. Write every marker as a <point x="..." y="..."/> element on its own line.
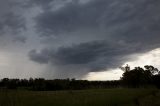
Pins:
<point x="101" y="97"/>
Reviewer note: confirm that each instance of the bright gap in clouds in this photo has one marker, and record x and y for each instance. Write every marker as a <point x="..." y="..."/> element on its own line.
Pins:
<point x="149" y="58"/>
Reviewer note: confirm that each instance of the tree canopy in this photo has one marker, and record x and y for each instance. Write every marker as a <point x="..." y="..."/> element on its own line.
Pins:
<point x="138" y="76"/>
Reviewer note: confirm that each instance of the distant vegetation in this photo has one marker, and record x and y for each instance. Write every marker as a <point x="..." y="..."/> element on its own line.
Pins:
<point x="136" y="78"/>
<point x="40" y="84"/>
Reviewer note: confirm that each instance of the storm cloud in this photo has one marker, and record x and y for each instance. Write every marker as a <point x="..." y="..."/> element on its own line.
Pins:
<point x="96" y="35"/>
<point x="122" y="16"/>
<point x="79" y="59"/>
<point x="11" y="20"/>
<point x="71" y="38"/>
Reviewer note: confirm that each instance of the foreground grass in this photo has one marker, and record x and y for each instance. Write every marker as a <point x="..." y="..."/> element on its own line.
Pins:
<point x="103" y="97"/>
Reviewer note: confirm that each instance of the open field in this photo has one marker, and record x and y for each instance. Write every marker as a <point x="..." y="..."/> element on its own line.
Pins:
<point x="101" y="97"/>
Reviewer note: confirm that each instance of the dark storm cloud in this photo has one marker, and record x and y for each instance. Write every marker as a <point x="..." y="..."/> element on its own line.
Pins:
<point x="11" y="19"/>
<point x="21" y="39"/>
<point x="71" y="17"/>
<point x="12" y="22"/>
<point x="43" y="3"/>
<point x="95" y="55"/>
<point x="41" y="58"/>
<point x="47" y="4"/>
<point x="125" y="26"/>
<point x="133" y="19"/>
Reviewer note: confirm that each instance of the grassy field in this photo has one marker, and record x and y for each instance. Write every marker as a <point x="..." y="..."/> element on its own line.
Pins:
<point x="101" y="97"/>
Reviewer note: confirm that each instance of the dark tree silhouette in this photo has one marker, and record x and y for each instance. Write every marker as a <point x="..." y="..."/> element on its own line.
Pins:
<point x="152" y="69"/>
<point x="139" y="77"/>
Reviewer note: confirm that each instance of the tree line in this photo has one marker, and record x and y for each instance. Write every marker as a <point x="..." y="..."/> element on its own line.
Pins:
<point x="135" y="78"/>
<point x="41" y="84"/>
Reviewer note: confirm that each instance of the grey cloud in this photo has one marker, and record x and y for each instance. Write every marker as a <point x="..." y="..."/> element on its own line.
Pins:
<point x="12" y="21"/>
<point x="90" y="56"/>
<point x="48" y="4"/>
<point x="41" y="58"/>
<point x="43" y="3"/>
<point x="122" y="19"/>
<point x="20" y="39"/>
<point x="69" y="18"/>
<point x="126" y="27"/>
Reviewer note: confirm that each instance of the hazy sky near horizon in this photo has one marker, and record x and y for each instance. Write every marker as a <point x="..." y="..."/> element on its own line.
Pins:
<point x="84" y="39"/>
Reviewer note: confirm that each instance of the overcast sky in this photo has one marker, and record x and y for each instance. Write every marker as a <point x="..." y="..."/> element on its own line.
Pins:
<point x="83" y="39"/>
